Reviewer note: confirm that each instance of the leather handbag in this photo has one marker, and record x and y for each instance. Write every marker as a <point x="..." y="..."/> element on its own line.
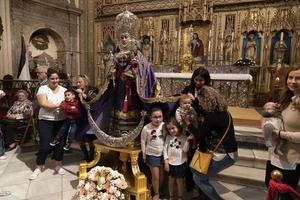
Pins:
<point x="201" y="160"/>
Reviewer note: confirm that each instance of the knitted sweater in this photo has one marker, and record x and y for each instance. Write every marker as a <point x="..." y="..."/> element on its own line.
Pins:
<point x="291" y="151"/>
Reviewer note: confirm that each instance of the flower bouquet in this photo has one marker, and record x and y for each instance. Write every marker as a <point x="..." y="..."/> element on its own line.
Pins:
<point x="102" y="183"/>
<point x="244" y="62"/>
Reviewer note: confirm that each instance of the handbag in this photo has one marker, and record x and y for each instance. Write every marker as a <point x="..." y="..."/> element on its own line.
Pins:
<point x="201" y="160"/>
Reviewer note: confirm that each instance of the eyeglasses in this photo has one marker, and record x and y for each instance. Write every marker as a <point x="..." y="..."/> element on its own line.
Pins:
<point x="40" y="72"/>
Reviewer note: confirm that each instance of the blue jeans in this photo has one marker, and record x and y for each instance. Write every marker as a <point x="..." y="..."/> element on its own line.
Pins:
<point x="2" y="147"/>
<point x="70" y="127"/>
<point x="202" y="180"/>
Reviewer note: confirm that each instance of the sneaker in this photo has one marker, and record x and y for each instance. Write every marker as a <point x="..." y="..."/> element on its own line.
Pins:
<point x="35" y="173"/>
<point x="60" y="170"/>
<point x="54" y="142"/>
<point x="67" y="146"/>
<point x="3" y="157"/>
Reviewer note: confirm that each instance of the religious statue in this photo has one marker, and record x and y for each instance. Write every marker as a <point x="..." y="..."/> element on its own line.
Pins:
<point x="227" y="49"/>
<point x="196" y="47"/>
<point x="280" y="50"/>
<point x="115" y="114"/>
<point x="164" y="40"/>
<point x="251" y="47"/>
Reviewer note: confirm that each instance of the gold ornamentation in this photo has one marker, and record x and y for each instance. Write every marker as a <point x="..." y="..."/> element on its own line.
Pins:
<point x="187" y="63"/>
<point x="254" y="20"/>
<point x="284" y="19"/>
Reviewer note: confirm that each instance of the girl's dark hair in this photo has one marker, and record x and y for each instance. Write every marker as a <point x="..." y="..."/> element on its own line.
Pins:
<point x="201" y="71"/>
<point x="154" y="109"/>
<point x="51" y="71"/>
<point x="287" y="94"/>
<point x="172" y="120"/>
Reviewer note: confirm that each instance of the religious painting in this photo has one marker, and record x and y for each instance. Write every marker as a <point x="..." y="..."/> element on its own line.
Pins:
<point x="196" y="47"/>
<point x="280" y="48"/>
<point x="252" y="47"/>
<point x="39" y="40"/>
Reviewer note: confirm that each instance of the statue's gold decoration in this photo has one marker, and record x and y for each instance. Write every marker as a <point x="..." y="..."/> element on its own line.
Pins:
<point x="284" y="19"/>
<point x="254" y="20"/>
<point x="136" y="179"/>
<point x="187" y="63"/>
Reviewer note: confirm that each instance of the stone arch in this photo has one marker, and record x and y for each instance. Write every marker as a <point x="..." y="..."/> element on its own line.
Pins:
<point x="59" y="60"/>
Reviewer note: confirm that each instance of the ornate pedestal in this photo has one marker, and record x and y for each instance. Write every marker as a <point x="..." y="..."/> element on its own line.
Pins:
<point x="137" y="181"/>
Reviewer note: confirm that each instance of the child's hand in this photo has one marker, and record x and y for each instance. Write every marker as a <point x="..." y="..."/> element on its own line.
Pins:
<point x="275" y="134"/>
<point x="166" y="166"/>
<point x="190" y="137"/>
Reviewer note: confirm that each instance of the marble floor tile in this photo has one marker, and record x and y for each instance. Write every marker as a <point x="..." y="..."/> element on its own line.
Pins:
<point x="231" y="196"/>
<point x="230" y="186"/>
<point x="250" y="193"/>
<point x="18" y="191"/>
<point x="45" y="187"/>
<point x="19" y="177"/>
<point x="49" y="196"/>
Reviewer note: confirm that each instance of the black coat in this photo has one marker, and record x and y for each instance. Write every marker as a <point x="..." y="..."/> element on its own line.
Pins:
<point x="211" y="131"/>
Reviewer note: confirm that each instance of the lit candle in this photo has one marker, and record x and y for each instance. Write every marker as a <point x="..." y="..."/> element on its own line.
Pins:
<point x="281" y="36"/>
<point x="232" y="35"/>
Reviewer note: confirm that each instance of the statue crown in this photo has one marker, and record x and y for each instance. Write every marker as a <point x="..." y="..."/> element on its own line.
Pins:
<point x="126" y="22"/>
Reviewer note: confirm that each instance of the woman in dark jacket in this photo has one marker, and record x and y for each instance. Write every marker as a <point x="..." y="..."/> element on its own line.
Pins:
<point x="216" y="120"/>
<point x="200" y="78"/>
<point x="87" y="92"/>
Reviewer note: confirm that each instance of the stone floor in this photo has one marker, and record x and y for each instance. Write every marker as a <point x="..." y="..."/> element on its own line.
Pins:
<point x="16" y="169"/>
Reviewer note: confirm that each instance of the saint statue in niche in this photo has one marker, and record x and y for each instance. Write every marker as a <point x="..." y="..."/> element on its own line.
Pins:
<point x="251" y="47"/>
<point x="227" y="49"/>
<point x="196" y="47"/>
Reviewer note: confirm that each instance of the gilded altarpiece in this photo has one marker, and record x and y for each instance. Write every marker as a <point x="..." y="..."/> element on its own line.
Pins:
<point x="224" y="28"/>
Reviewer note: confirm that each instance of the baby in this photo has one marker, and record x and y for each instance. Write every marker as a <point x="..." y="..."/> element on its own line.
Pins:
<point x="185" y="108"/>
<point x="273" y="121"/>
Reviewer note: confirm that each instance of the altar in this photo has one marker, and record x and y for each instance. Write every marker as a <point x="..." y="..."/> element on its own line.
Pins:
<point x="235" y="87"/>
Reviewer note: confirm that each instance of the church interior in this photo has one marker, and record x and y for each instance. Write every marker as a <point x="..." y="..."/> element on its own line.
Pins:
<point x="247" y="46"/>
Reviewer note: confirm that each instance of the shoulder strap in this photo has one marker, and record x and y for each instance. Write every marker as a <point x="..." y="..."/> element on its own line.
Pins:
<point x="229" y="122"/>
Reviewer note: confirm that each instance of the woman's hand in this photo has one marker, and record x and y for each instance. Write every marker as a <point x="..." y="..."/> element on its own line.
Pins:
<point x="191" y="96"/>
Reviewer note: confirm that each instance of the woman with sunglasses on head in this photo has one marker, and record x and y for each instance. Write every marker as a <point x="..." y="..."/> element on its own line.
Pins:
<point x="86" y="137"/>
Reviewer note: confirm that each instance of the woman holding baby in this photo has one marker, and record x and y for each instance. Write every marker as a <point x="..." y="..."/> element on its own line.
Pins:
<point x="289" y="161"/>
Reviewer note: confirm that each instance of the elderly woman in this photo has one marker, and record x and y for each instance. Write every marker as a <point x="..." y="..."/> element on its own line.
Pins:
<point x="217" y="122"/>
<point x="15" y="118"/>
<point x="87" y="92"/>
